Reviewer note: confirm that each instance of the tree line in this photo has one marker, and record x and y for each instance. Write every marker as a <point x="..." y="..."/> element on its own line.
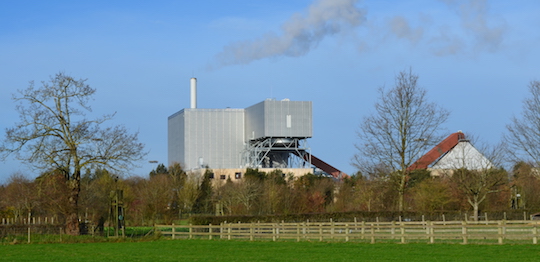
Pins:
<point x="170" y="194"/>
<point x="84" y="158"/>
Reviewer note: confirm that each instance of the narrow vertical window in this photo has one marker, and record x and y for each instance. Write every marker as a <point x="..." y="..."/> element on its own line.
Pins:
<point x="289" y="121"/>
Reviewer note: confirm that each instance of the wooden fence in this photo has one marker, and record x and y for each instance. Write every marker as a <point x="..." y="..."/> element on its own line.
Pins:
<point x="465" y="232"/>
<point x="28" y="220"/>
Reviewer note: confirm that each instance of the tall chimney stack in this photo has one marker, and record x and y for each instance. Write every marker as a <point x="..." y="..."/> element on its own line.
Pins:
<point x="193" y="92"/>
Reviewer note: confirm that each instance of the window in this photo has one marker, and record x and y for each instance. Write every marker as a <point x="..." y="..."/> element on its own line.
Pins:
<point x="211" y="175"/>
<point x="237" y="175"/>
<point x="223" y="177"/>
<point x="289" y="121"/>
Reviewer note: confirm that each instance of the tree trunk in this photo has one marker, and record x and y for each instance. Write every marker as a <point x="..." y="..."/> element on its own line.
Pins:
<point x="401" y="191"/>
<point x="475" y="207"/>
<point x="72" y="219"/>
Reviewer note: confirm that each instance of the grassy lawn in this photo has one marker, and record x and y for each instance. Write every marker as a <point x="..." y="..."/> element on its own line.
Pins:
<point x="220" y="250"/>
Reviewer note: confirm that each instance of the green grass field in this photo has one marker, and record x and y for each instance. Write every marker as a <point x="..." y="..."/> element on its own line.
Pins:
<point x="220" y="250"/>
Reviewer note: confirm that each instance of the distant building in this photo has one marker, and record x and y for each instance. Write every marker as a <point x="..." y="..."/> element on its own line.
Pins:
<point x="268" y="135"/>
<point x="452" y="153"/>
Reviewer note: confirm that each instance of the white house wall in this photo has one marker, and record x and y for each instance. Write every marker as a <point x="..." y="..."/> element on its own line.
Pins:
<point x="463" y="155"/>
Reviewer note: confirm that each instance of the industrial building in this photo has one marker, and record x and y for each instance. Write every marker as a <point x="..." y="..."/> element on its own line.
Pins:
<point x="268" y="135"/>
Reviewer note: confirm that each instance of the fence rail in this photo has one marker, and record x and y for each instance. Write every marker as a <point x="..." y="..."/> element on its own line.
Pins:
<point x="28" y="220"/>
<point x="465" y="232"/>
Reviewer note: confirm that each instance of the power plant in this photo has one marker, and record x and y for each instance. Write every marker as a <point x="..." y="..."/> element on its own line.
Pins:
<point x="271" y="134"/>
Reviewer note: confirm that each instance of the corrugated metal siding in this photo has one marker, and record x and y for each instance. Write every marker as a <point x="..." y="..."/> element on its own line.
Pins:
<point x="254" y="121"/>
<point x="175" y="135"/>
<point x="272" y="118"/>
<point x="215" y="135"/>
<point x="218" y="135"/>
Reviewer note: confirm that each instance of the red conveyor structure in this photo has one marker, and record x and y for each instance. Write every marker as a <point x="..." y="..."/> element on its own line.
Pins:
<point x="325" y="167"/>
<point x="450" y="142"/>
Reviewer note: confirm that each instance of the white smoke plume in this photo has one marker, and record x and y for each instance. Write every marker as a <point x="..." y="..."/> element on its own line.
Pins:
<point x="301" y="33"/>
<point x="400" y="27"/>
<point x="486" y="30"/>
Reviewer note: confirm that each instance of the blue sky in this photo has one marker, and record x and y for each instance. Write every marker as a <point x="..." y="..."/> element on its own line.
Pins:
<point x="475" y="58"/>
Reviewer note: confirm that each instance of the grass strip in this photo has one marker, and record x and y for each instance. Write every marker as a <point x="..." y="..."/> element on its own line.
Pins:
<point x="219" y="250"/>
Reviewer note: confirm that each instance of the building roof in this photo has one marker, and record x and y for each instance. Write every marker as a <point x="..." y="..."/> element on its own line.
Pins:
<point x="454" y="152"/>
<point x="463" y="155"/>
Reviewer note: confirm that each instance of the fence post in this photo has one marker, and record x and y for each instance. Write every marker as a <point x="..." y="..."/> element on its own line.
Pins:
<point x="500" y="231"/>
<point x="190" y="231"/>
<point x="251" y="231"/>
<point x="173" y="231"/>
<point x="464" y="231"/>
<point x="321" y="231"/>
<point x="431" y="232"/>
<point x="210" y="231"/>
<point x="221" y="230"/>
<point x="372" y="233"/>
<point x="278" y="228"/>
<point x="346" y="232"/>
<point x="274" y="231"/>
<point x="298" y="225"/>
<point x="402" y="229"/>
<point x="426" y="226"/>
<point x="363" y="229"/>
<point x="304" y="229"/>
<point x="535" y="232"/>
<point x="28" y="234"/>
<point x="332" y="230"/>
<point x="393" y="229"/>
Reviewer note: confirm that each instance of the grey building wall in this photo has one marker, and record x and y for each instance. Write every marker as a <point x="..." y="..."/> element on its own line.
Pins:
<point x="214" y="136"/>
<point x="175" y="138"/>
<point x="272" y="118"/>
<point x="218" y="136"/>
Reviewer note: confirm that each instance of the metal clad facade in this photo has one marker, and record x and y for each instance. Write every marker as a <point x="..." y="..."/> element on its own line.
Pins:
<point x="217" y="137"/>
<point x="272" y="118"/>
<point x="175" y="136"/>
<point x="212" y="137"/>
<point x="255" y="121"/>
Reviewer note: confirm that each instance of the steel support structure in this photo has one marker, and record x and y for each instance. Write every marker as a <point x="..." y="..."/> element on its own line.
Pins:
<point x="277" y="152"/>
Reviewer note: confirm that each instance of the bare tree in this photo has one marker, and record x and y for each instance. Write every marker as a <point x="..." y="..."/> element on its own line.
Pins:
<point x="20" y="194"/>
<point x="54" y="134"/>
<point x="525" y="187"/>
<point x="404" y="125"/>
<point x="475" y="173"/>
<point x="523" y="136"/>
<point x="476" y="185"/>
